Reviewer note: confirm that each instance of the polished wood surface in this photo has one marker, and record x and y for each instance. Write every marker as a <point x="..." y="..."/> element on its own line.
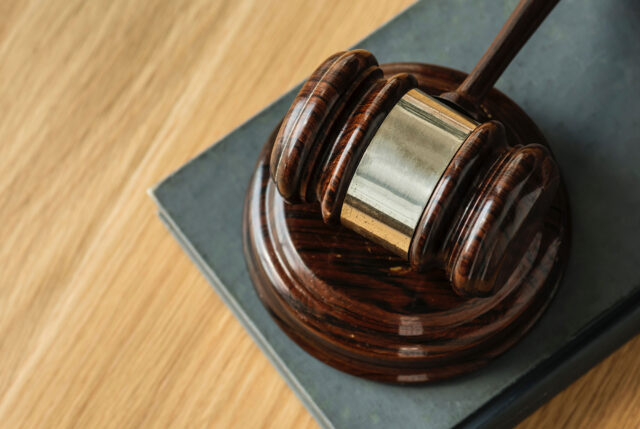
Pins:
<point x="303" y="160"/>
<point x="356" y="306"/>
<point x="104" y="321"/>
<point x="495" y="191"/>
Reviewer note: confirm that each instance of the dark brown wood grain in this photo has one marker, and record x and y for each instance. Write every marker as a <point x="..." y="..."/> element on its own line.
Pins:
<point x="506" y="208"/>
<point x="453" y="193"/>
<point x="347" y="148"/>
<point x="363" y="310"/>
<point x="466" y="228"/>
<point x="300" y="141"/>
<point x="329" y="126"/>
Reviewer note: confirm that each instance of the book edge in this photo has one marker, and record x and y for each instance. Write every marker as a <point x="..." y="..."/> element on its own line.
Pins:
<point x="541" y="383"/>
<point x="245" y="320"/>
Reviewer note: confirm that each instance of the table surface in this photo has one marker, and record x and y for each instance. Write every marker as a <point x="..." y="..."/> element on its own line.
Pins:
<point x="104" y="321"/>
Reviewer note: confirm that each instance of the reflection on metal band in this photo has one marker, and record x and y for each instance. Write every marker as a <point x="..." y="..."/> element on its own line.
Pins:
<point x="400" y="169"/>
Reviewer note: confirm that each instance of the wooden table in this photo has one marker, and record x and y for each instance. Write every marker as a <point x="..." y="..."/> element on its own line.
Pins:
<point x="104" y="321"/>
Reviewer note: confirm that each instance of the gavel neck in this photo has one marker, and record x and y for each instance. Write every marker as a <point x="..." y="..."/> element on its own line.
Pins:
<point x="523" y="22"/>
<point x="464" y="104"/>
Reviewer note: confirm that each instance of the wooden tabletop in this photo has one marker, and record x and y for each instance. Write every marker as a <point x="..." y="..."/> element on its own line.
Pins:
<point x="104" y="321"/>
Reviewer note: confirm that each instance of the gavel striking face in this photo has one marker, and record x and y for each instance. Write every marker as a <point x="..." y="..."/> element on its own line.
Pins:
<point x="413" y="173"/>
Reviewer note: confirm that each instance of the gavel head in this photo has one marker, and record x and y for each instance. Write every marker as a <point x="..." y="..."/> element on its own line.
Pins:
<point x="410" y="172"/>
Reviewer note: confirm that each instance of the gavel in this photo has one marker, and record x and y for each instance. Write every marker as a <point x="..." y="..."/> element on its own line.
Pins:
<point x="432" y="179"/>
<point x="406" y="222"/>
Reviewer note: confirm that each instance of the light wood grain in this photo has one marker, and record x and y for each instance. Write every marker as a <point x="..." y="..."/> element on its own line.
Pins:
<point x="104" y="322"/>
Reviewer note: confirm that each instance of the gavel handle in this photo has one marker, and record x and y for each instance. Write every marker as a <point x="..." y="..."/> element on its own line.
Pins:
<point x="522" y="23"/>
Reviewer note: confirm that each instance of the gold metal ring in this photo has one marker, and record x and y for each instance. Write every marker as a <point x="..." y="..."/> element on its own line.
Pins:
<point x="400" y="169"/>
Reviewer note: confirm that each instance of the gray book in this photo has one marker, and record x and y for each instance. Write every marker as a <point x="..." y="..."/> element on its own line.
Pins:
<point x="579" y="79"/>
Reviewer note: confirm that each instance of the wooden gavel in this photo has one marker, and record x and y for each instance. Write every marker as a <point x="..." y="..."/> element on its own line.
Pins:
<point x="453" y="181"/>
<point x="432" y="179"/>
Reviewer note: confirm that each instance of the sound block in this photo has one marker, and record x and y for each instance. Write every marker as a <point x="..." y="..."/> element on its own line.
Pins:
<point x="358" y="308"/>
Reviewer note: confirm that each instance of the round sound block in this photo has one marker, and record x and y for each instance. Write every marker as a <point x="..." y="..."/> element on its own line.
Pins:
<point x="357" y="307"/>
